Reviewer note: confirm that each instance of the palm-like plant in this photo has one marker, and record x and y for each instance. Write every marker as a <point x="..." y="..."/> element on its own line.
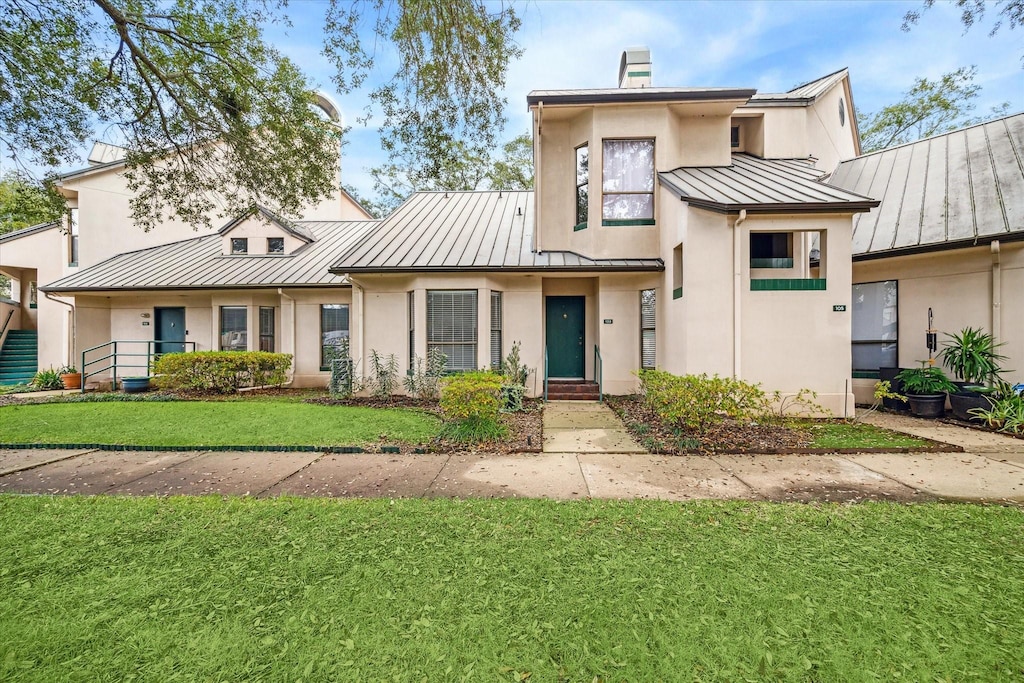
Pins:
<point x="971" y="355"/>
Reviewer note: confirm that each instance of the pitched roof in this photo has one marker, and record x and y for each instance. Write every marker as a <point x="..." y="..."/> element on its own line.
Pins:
<point x="763" y="185"/>
<point x="953" y="190"/>
<point x="199" y="263"/>
<point x="291" y="227"/>
<point x="610" y="95"/>
<point x="801" y="94"/>
<point x="460" y="231"/>
<point x="25" y="232"/>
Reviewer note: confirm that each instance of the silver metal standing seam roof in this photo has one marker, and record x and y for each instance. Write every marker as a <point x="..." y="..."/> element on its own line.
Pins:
<point x="801" y="94"/>
<point x="199" y="263"/>
<point x="466" y="231"/>
<point x="25" y="232"/>
<point x="615" y="95"/>
<point x="761" y="185"/>
<point x="953" y="190"/>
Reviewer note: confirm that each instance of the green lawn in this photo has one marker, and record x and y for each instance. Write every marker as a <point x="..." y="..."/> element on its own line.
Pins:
<point x="408" y="590"/>
<point x="859" y="435"/>
<point x="211" y="423"/>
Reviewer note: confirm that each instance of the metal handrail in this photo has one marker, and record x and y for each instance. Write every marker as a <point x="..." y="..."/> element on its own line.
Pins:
<point x="115" y="354"/>
<point x="3" y="329"/>
<point x="545" y="375"/>
<point x="599" y="373"/>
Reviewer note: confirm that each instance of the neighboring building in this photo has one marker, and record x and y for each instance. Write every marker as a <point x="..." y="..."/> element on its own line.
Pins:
<point x="679" y="228"/>
<point x="948" y="237"/>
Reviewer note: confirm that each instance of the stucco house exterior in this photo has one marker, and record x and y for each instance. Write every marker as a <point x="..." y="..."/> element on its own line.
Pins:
<point x="682" y="228"/>
<point x="948" y="237"/>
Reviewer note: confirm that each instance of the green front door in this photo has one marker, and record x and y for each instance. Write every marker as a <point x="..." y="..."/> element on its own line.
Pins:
<point x="565" y="336"/>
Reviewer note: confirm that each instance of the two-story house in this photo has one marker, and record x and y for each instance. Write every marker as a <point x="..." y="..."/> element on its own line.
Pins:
<point x="679" y="228"/>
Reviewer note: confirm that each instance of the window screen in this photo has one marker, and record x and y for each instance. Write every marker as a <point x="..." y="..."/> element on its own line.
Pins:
<point x="628" y="180"/>
<point x="233" y="328"/>
<point x="875" y="326"/>
<point x="333" y="332"/>
<point x="771" y="250"/>
<point x="496" y="314"/>
<point x="267" y="328"/>
<point x="451" y="326"/>
<point x="648" y="355"/>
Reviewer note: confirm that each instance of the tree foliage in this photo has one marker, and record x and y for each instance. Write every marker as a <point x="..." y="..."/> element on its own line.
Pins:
<point x="927" y="108"/>
<point x="213" y="118"/>
<point x="973" y="12"/>
<point x="455" y="165"/>
<point x="25" y="202"/>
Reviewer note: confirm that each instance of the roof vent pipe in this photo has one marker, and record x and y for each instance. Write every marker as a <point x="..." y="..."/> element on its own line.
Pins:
<point x="635" y="68"/>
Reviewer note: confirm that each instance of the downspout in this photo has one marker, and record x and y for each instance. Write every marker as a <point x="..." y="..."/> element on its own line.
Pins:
<point x="358" y="287"/>
<point x="69" y="351"/>
<point x="737" y="292"/>
<point x="997" y="292"/>
<point x="291" y="375"/>
<point x="538" y="126"/>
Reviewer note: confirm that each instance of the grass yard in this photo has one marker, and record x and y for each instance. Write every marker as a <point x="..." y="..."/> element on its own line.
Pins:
<point x="836" y="434"/>
<point x="212" y="423"/>
<point x="240" y="589"/>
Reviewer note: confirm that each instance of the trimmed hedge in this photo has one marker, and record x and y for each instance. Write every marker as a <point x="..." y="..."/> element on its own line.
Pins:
<point x="223" y="372"/>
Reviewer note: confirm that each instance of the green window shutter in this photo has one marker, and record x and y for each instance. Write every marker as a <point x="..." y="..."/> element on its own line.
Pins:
<point x="496" y="313"/>
<point x="648" y="335"/>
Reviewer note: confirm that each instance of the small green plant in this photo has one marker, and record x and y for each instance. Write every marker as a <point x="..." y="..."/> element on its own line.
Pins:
<point x="802" y="402"/>
<point x="67" y="370"/>
<point x="383" y="379"/>
<point x="698" y="402"/>
<point x="1006" y="409"/>
<point x="883" y="390"/>
<point x="47" y="380"/>
<point x="424" y="380"/>
<point x="471" y="404"/>
<point x="514" y="375"/>
<point x="971" y="355"/>
<point x="925" y="380"/>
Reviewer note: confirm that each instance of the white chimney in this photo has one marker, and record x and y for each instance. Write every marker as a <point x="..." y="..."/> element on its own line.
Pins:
<point x="635" y="68"/>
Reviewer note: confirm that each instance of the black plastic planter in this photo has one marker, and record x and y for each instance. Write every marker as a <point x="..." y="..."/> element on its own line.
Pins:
<point x="927" y="405"/>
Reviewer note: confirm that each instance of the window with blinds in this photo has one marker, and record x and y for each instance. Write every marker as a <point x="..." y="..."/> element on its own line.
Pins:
<point x="648" y="356"/>
<point x="233" y="328"/>
<point x="496" y="331"/>
<point x="333" y="332"/>
<point x="267" y="328"/>
<point x="451" y="326"/>
<point x="412" y="330"/>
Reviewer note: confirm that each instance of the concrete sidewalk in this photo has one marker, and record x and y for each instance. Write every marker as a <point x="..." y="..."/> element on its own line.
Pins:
<point x="587" y="454"/>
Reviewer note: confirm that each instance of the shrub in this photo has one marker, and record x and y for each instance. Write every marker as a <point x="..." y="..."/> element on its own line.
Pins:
<point x="698" y="401"/>
<point x="47" y="380"/>
<point x="514" y="374"/>
<point x="383" y="377"/>
<point x="223" y="372"/>
<point x="424" y="378"/>
<point x="471" y="403"/>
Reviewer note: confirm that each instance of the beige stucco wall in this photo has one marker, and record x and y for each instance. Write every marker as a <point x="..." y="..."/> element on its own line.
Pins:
<point x="829" y="139"/>
<point x="958" y="286"/>
<point x="257" y="229"/>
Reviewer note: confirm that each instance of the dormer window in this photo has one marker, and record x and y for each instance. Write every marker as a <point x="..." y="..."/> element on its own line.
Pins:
<point x="275" y="245"/>
<point x="628" y="182"/>
<point x="239" y="245"/>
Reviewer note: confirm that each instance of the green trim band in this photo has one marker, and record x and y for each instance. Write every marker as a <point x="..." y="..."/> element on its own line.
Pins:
<point x="787" y="285"/>
<point x="579" y="226"/>
<point x="627" y="221"/>
<point x="677" y="293"/>
<point x="634" y="74"/>
<point x="865" y="374"/>
<point x="771" y="263"/>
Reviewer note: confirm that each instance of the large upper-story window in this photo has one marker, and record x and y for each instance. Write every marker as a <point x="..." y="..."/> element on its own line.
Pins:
<point x="628" y="183"/>
<point x="582" y="186"/>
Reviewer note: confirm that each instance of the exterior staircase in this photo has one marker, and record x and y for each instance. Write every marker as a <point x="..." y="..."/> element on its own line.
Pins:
<point x="573" y="390"/>
<point x="18" y="359"/>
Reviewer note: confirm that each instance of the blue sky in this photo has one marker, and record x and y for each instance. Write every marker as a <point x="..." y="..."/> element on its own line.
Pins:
<point x="771" y="46"/>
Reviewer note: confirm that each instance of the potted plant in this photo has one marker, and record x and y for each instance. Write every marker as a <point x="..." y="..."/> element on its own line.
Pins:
<point x="135" y="385"/>
<point x="70" y="377"/>
<point x="971" y="355"/>
<point x="926" y="388"/>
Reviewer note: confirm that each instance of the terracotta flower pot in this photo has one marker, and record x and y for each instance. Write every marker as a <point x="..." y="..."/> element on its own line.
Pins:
<point x="72" y="380"/>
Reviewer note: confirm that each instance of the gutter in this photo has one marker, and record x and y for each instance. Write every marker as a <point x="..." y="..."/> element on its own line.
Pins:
<point x="72" y="320"/>
<point x="997" y="293"/>
<point x="358" y="301"/>
<point x="737" y="294"/>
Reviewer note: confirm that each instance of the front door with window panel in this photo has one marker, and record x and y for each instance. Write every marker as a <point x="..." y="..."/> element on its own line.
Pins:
<point x="170" y="330"/>
<point x="565" y="335"/>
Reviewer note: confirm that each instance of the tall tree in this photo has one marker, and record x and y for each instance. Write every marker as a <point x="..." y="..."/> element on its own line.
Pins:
<point x="23" y="203"/>
<point x="458" y="165"/>
<point x="973" y="12"/>
<point x="927" y="108"/>
<point x="212" y="117"/>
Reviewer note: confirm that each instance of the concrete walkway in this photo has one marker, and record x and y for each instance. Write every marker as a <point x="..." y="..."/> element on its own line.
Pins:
<point x="991" y="470"/>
